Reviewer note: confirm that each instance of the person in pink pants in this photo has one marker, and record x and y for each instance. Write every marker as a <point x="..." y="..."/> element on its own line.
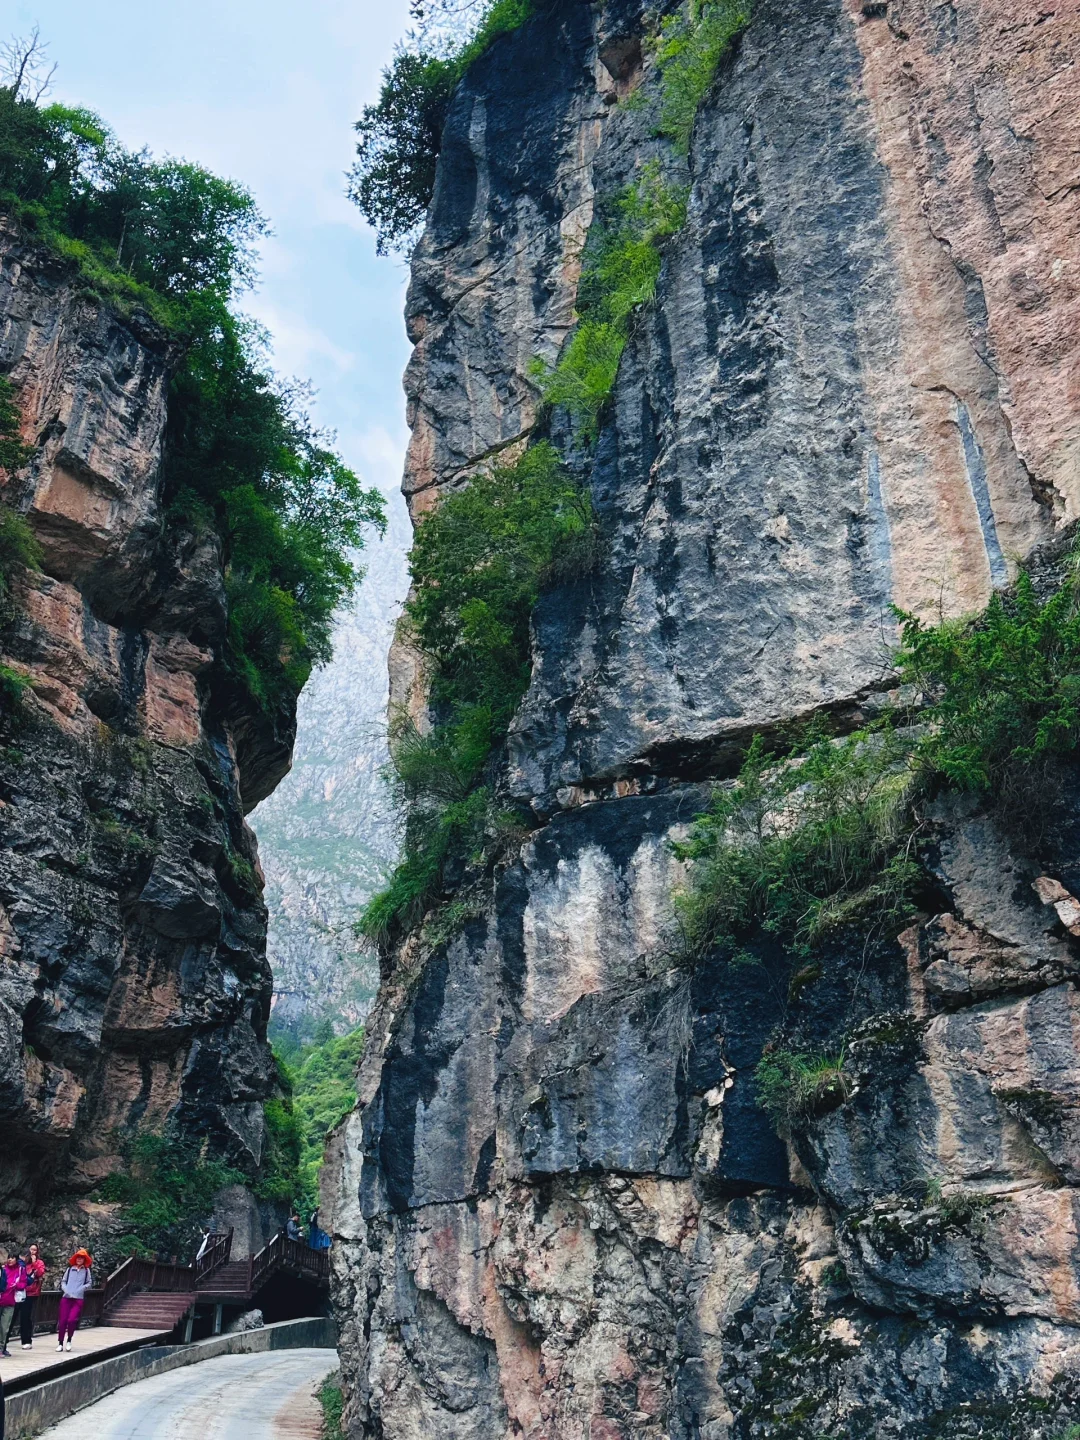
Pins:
<point x="77" y="1280"/>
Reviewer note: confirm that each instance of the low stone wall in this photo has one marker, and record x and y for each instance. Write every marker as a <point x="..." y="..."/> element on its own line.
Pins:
<point x="32" y="1411"/>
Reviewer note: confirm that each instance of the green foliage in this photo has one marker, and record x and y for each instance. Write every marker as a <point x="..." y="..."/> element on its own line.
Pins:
<point x="803" y="845"/>
<point x="1003" y="689"/>
<point x="243" y="456"/>
<point x="794" y="1085"/>
<point x="620" y="268"/>
<point x="393" y="177"/>
<point x="333" y="1403"/>
<point x="280" y="1168"/>
<point x="13" y="453"/>
<point x="13" y="686"/>
<point x="137" y="226"/>
<point x="434" y="835"/>
<point x="18" y="546"/>
<point x="688" y="51"/>
<point x="479" y="562"/>
<point x="323" y="1080"/>
<point x="958" y="1209"/>
<point x="166" y="1191"/>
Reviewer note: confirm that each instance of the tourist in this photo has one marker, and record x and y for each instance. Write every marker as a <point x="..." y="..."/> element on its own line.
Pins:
<point x="76" y="1281"/>
<point x="35" y="1273"/>
<point x="292" y="1228"/>
<point x="318" y="1239"/>
<point x="12" y="1292"/>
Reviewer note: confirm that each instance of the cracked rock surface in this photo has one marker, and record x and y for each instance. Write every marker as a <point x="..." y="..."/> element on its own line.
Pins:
<point x="134" y="988"/>
<point x="560" y="1211"/>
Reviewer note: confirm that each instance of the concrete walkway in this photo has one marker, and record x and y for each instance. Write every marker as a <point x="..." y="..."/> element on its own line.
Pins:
<point x="269" y="1396"/>
<point x="96" y="1340"/>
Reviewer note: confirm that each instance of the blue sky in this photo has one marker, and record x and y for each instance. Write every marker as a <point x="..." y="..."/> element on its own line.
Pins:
<point x="266" y="93"/>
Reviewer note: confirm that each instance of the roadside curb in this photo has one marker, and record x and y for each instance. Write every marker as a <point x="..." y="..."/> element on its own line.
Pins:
<point x="32" y="1411"/>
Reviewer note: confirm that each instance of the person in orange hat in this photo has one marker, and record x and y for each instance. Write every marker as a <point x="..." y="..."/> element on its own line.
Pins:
<point x="77" y="1280"/>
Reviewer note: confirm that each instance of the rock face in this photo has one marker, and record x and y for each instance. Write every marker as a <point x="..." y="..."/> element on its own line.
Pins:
<point x="560" y="1210"/>
<point x="134" y="987"/>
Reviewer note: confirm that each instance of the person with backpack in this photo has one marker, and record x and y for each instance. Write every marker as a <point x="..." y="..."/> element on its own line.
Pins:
<point x="35" y="1274"/>
<point x="13" y="1283"/>
<point x="77" y="1280"/>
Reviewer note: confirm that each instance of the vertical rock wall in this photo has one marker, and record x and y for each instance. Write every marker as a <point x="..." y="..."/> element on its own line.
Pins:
<point x="134" y="987"/>
<point x="560" y="1211"/>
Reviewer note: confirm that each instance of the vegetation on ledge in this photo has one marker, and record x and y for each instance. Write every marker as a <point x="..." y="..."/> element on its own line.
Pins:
<point x="478" y="563"/>
<point x="166" y="1192"/>
<point x="824" y="836"/>
<point x="620" y="269"/>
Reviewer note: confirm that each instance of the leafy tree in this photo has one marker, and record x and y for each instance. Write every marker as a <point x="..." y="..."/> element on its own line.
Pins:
<point x="168" y="225"/>
<point x="399" y="137"/>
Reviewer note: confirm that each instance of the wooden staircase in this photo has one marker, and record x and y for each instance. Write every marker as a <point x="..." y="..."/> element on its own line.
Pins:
<point x="157" y="1295"/>
<point x="148" y="1295"/>
<point x="146" y="1310"/>
<point x="230" y="1284"/>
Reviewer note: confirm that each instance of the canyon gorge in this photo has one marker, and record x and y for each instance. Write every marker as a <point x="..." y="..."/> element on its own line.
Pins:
<point x="624" y="1164"/>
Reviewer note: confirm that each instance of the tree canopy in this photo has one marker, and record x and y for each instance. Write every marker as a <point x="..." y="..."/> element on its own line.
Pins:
<point x="242" y="455"/>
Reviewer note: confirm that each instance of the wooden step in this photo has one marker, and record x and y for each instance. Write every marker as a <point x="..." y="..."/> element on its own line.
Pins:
<point x="149" y="1311"/>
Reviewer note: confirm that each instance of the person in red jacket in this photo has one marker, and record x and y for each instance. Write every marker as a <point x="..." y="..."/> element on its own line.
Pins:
<point x="35" y="1274"/>
<point x="14" y="1282"/>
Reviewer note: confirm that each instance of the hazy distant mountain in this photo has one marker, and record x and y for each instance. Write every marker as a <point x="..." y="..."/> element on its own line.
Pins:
<point x="327" y="835"/>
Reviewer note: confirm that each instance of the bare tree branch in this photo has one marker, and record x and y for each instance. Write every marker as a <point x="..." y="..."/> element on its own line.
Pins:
<point x="25" y="68"/>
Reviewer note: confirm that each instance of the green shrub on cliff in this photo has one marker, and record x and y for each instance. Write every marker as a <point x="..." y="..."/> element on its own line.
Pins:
<point x="479" y="562"/>
<point x="399" y="137"/>
<point x="793" y="1085"/>
<point x="1002" y="690"/>
<point x="620" y="268"/>
<point x="19" y="548"/>
<point x="165" y="1193"/>
<point x="243" y="456"/>
<point x="688" y="51"/>
<point x="804" y="843"/>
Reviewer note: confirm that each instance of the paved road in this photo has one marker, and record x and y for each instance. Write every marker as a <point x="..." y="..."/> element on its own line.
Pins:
<point x="235" y="1397"/>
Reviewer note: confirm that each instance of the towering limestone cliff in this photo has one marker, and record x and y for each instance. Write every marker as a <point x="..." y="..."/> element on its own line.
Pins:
<point x="561" y="1207"/>
<point x="134" y="988"/>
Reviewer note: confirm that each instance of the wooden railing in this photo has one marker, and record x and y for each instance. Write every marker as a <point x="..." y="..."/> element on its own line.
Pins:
<point x="283" y="1253"/>
<point x="216" y="1254"/>
<point x="135" y="1274"/>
